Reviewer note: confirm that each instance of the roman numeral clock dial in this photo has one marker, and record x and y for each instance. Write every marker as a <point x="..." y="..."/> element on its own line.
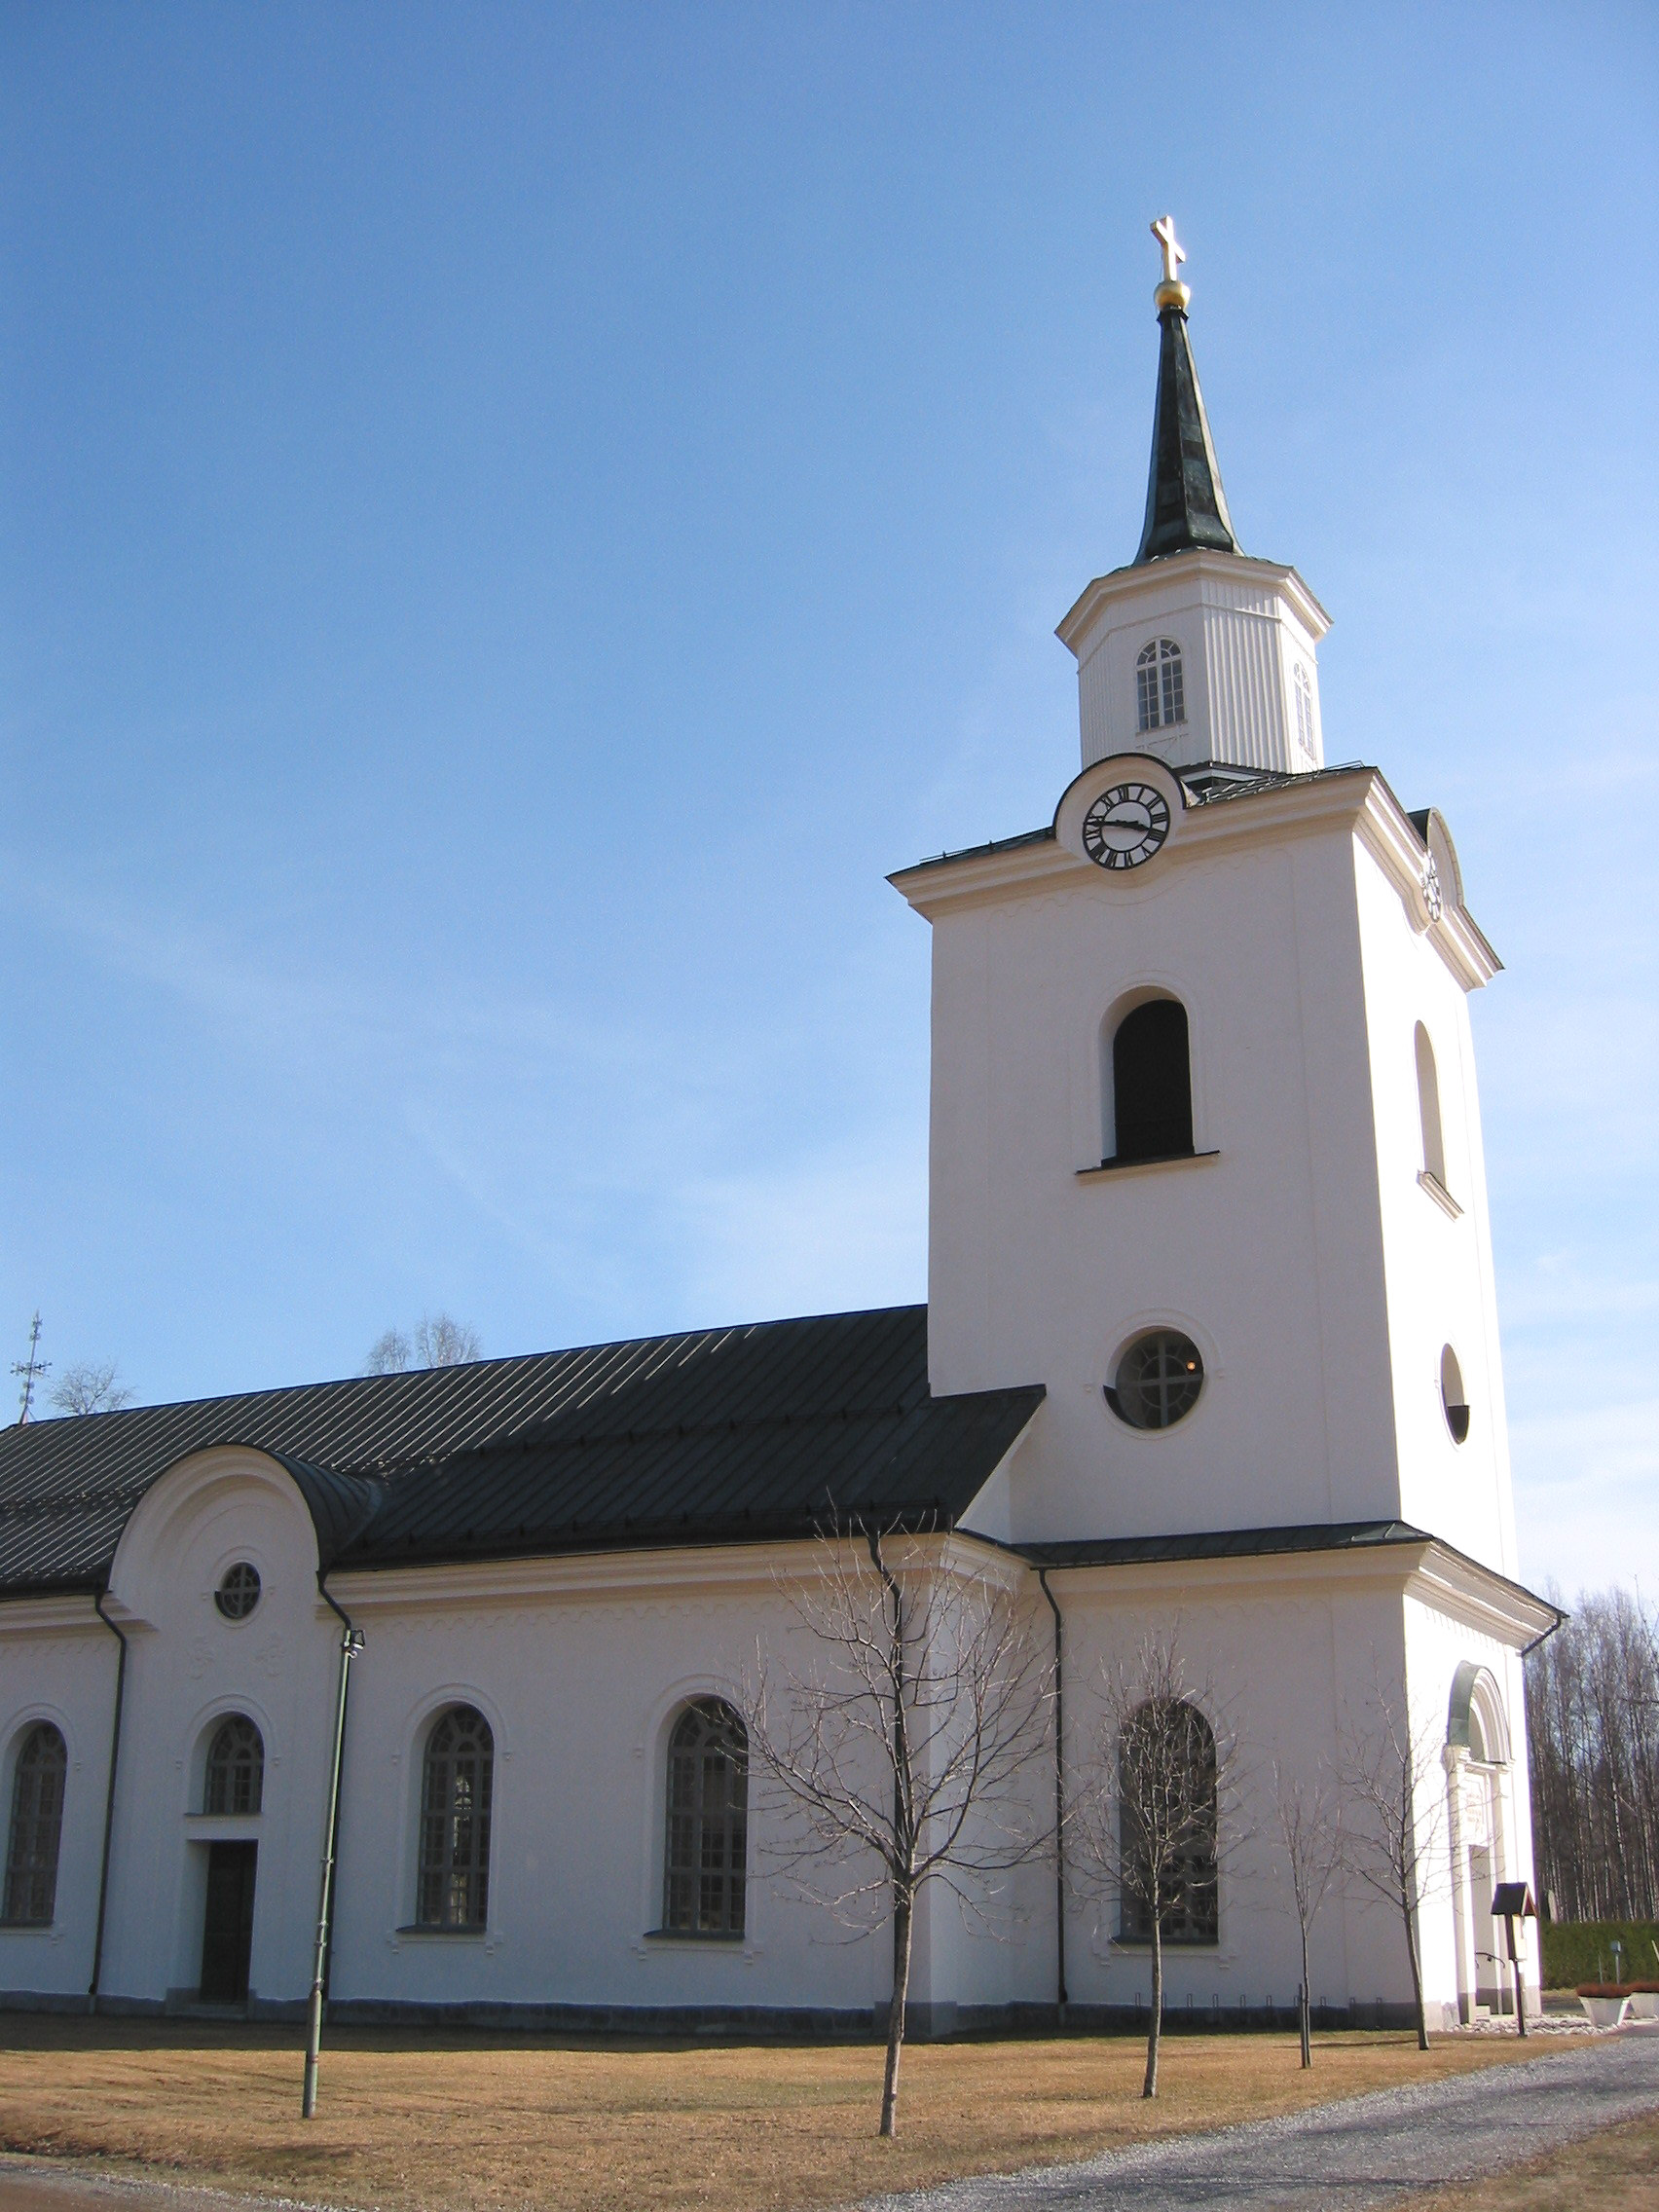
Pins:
<point x="1126" y="825"/>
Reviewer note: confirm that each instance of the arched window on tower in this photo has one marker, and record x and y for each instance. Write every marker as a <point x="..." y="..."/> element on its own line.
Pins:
<point x="235" y="1780"/>
<point x="1159" y="694"/>
<point x="1167" y="1813"/>
<point x="1429" y="1110"/>
<point x="456" y="1778"/>
<point x="1303" y="685"/>
<point x="708" y="1821"/>
<point x="1152" y="1083"/>
<point x="37" y="1828"/>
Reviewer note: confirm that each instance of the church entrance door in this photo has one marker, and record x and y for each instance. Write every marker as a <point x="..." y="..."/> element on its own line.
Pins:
<point x="227" y="1927"/>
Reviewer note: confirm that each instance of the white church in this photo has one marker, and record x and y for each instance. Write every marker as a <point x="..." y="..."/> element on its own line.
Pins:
<point x="1210" y="1339"/>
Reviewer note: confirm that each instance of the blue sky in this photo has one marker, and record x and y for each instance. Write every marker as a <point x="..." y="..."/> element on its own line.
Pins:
<point x="516" y="518"/>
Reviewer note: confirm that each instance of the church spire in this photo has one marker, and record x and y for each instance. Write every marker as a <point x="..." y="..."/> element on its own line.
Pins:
<point x="1186" y="507"/>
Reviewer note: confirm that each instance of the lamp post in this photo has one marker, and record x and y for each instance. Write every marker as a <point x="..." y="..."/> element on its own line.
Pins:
<point x="1512" y="1902"/>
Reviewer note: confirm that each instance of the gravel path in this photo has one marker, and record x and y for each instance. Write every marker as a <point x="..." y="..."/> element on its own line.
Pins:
<point x="1365" y="2151"/>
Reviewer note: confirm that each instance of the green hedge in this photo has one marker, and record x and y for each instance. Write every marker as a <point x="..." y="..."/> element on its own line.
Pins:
<point x="1580" y="1950"/>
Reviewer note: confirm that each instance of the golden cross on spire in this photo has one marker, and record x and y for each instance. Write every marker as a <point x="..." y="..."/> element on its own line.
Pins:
<point x="1163" y="231"/>
<point x="1172" y="293"/>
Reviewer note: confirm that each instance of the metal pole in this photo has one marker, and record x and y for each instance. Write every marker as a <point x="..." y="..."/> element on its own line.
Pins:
<point x="1061" y="1999"/>
<point x="350" y="1644"/>
<point x="1515" y="1962"/>
<point x="109" y="1799"/>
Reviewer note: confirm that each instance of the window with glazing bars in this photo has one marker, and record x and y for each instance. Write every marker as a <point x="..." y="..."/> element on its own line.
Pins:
<point x="37" y="1828"/>
<point x="1160" y="694"/>
<point x="1175" y="1741"/>
<point x="235" y="1781"/>
<point x="455" y="1820"/>
<point x="1303" y="711"/>
<point x="708" y="1820"/>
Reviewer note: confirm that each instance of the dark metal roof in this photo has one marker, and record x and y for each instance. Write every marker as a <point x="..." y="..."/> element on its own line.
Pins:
<point x="713" y="1436"/>
<point x="1186" y="507"/>
<point x="1226" y="1544"/>
<point x="1043" y="837"/>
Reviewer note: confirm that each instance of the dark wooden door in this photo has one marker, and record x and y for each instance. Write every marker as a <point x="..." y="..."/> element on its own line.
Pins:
<point x="227" y="1927"/>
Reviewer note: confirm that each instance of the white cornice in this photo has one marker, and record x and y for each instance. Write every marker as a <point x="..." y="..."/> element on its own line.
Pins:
<point x="1359" y="798"/>
<point x="1425" y="1570"/>
<point x="1154" y="578"/>
<point x="588" y="1576"/>
<point x="53" y="1615"/>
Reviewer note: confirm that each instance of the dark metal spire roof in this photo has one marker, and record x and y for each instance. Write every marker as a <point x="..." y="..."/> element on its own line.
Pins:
<point x="1186" y="507"/>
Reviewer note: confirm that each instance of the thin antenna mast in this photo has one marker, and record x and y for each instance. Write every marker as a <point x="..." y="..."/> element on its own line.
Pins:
<point x="31" y="1370"/>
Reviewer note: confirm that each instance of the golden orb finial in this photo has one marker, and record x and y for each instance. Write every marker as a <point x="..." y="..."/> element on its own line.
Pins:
<point x="1172" y="293"/>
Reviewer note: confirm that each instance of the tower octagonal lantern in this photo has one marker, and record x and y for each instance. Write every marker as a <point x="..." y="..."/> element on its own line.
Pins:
<point x="1195" y="651"/>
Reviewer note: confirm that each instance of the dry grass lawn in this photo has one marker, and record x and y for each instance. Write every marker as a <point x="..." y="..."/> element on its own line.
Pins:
<point x="1614" y="2171"/>
<point x="425" y="2123"/>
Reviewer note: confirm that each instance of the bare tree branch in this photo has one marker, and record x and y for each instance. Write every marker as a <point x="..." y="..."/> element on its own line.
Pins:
<point x="439" y="1340"/>
<point x="894" y="1738"/>
<point x="1158" y="1812"/>
<point x="1394" y="1788"/>
<point x="1309" y="1860"/>
<point x="90" y="1387"/>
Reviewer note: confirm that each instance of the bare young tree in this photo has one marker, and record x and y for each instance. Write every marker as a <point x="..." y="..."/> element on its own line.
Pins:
<point x="1146" y="1830"/>
<point x="892" y="1741"/>
<point x="1310" y="1858"/>
<point x="90" y="1387"/>
<point x="438" y="1340"/>
<point x="1393" y="1789"/>
<point x="389" y="1353"/>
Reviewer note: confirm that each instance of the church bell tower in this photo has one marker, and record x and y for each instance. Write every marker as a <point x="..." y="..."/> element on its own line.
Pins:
<point x="1204" y="1153"/>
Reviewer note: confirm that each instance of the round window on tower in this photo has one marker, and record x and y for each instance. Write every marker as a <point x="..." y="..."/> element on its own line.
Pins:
<point x="1158" y="1379"/>
<point x="1453" y="1395"/>
<point x="239" y="1591"/>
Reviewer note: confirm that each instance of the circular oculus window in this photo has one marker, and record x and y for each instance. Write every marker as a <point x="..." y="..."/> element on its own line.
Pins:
<point x="239" y="1591"/>
<point x="1453" y="1398"/>
<point x="1158" y="1379"/>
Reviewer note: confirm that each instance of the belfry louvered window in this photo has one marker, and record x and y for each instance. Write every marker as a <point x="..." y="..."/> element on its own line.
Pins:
<point x="235" y="1781"/>
<point x="36" y="1828"/>
<point x="456" y="1784"/>
<point x="1160" y="697"/>
<point x="708" y="1821"/>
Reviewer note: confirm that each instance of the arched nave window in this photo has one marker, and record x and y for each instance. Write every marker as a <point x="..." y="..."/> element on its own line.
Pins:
<point x="1166" y="1758"/>
<point x="1152" y="1083"/>
<point x="235" y="1781"/>
<point x="37" y="1827"/>
<point x="1159" y="694"/>
<point x="708" y="1820"/>
<point x="1429" y="1110"/>
<point x="456" y="1782"/>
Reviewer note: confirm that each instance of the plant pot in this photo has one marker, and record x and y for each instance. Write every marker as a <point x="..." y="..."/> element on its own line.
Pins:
<point x="1605" y="2009"/>
<point x="1645" y="2005"/>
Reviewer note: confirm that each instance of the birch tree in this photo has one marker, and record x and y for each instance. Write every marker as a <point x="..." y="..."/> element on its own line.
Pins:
<point x="1145" y="1830"/>
<point x="1393" y="1789"/>
<point x="1310" y="1858"/>
<point x="892" y="1740"/>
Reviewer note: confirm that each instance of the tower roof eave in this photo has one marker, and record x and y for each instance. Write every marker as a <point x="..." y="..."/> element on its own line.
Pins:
<point x="1137" y="577"/>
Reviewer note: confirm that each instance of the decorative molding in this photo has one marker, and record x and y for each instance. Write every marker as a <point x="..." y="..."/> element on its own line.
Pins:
<point x="1110" y="1167"/>
<point x="1438" y="1191"/>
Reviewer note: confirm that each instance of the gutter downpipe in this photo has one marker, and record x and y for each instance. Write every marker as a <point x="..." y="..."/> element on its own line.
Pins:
<point x="1061" y="1999"/>
<point x="109" y="1798"/>
<point x="350" y="1644"/>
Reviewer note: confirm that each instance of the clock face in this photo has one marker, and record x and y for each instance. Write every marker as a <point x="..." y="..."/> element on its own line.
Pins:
<point x="1126" y="825"/>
